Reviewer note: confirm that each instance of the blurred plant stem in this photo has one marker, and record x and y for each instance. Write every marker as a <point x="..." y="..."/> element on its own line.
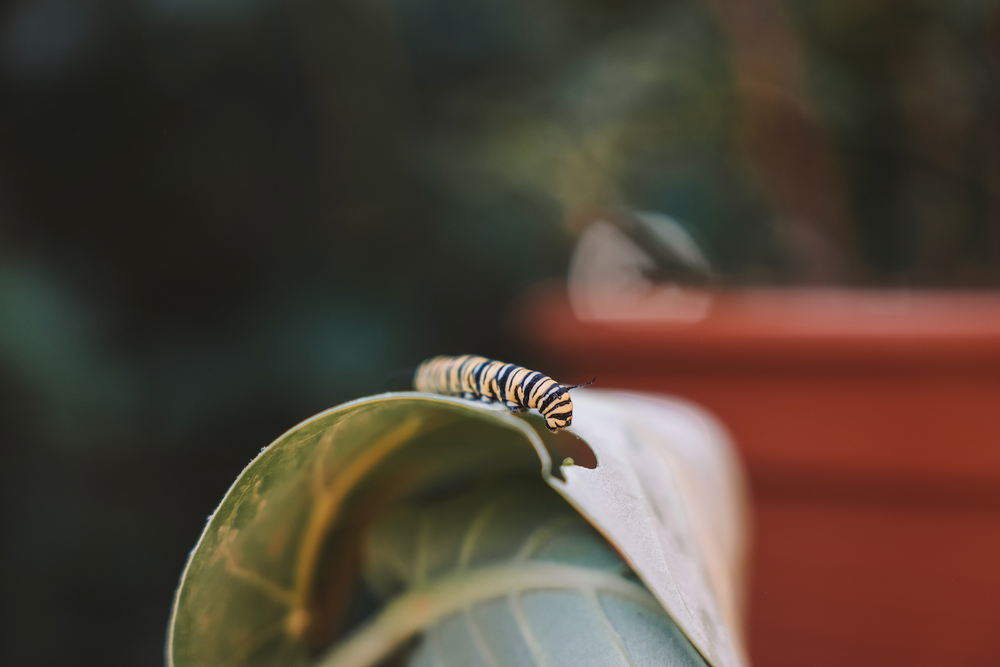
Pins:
<point x="787" y="143"/>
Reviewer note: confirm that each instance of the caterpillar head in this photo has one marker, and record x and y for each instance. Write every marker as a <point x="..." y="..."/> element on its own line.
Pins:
<point x="561" y="414"/>
<point x="556" y="422"/>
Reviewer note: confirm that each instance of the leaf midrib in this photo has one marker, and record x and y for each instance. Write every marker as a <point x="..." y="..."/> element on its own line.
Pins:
<point x="424" y="605"/>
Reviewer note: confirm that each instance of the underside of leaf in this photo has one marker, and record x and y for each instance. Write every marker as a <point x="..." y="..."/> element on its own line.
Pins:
<point x="417" y="530"/>
<point x="506" y="574"/>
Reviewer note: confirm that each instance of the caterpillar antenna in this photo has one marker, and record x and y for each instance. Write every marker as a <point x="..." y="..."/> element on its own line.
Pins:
<point x="577" y="386"/>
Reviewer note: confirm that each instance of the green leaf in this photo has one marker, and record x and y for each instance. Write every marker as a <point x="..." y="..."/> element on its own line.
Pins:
<point x="273" y="578"/>
<point x="268" y="580"/>
<point x="507" y="574"/>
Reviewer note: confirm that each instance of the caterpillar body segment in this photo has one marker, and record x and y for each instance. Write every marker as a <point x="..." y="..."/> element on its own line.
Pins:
<point x="518" y="388"/>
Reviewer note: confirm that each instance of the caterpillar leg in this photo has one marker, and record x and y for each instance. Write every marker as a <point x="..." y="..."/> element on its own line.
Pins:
<point x="515" y="408"/>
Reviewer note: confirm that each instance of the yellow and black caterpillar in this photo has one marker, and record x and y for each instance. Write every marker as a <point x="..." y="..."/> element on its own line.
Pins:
<point x="491" y="381"/>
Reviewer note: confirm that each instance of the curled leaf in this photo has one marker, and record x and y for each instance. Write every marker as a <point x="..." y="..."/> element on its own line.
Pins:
<point x="274" y="577"/>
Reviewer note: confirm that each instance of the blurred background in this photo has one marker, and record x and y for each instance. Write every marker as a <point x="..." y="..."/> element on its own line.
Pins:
<point x="218" y="217"/>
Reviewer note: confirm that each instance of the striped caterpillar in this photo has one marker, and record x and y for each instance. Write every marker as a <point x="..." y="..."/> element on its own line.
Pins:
<point x="490" y="381"/>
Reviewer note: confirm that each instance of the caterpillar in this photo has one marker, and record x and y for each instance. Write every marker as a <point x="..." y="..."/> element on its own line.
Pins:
<point x="490" y="381"/>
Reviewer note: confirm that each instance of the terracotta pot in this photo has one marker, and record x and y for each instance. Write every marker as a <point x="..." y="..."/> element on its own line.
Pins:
<point x="870" y="425"/>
